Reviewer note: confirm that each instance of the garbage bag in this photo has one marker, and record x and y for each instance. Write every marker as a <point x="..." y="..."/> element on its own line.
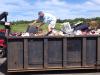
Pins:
<point x="82" y="27"/>
<point x="67" y="28"/>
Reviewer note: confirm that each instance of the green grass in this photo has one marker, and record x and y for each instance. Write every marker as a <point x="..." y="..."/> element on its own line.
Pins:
<point x="23" y="27"/>
<point x="1" y="27"/>
<point x="58" y="26"/>
<point x="19" y="28"/>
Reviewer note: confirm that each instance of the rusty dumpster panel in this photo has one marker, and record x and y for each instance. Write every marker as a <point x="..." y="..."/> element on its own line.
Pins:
<point x="15" y="54"/>
<point x="33" y="54"/>
<point x="74" y="47"/>
<point x="91" y="51"/>
<point x="48" y="53"/>
<point x="54" y="52"/>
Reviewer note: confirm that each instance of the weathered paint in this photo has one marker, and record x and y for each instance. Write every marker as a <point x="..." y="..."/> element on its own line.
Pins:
<point x="50" y="53"/>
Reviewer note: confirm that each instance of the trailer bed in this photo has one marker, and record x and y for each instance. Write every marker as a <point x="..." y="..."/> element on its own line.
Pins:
<point x="46" y="53"/>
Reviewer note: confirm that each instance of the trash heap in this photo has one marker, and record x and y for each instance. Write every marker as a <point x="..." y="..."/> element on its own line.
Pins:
<point x="67" y="29"/>
<point x="79" y="28"/>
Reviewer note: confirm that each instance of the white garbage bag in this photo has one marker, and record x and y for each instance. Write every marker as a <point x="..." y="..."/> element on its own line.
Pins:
<point x="25" y="34"/>
<point x="67" y="28"/>
<point x="78" y="32"/>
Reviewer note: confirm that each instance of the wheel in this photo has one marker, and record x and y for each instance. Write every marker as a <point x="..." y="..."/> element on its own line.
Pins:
<point x="2" y="52"/>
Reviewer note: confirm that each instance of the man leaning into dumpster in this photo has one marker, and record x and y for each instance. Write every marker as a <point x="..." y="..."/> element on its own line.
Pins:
<point x="46" y="18"/>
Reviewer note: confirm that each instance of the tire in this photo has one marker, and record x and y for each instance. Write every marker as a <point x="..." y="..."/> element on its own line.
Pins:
<point x="2" y="52"/>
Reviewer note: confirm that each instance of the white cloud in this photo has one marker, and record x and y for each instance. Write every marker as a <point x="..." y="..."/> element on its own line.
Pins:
<point x="66" y="10"/>
<point x="22" y="10"/>
<point x="96" y="1"/>
<point x="18" y="9"/>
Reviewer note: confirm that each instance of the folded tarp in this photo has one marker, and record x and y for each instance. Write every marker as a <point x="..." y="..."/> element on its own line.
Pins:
<point x="32" y="29"/>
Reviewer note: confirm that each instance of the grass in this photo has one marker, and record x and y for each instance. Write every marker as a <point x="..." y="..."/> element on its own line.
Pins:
<point x="19" y="28"/>
<point x="2" y="27"/>
<point x="23" y="27"/>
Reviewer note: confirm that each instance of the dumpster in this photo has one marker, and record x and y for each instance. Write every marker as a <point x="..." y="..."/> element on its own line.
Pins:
<point x="44" y="53"/>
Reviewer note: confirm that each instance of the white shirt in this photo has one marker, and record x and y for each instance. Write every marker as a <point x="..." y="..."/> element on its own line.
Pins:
<point x="48" y="18"/>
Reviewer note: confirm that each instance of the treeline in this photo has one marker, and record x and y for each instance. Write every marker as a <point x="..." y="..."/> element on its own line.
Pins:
<point x="65" y="20"/>
<point x="22" y="22"/>
<point x="79" y="19"/>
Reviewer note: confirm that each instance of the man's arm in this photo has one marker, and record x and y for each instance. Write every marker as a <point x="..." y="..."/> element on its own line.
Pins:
<point x="35" y="22"/>
<point x="32" y="24"/>
<point x="41" y="24"/>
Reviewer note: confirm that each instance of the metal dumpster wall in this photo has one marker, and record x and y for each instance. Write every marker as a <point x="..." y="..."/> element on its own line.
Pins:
<point x="53" y="53"/>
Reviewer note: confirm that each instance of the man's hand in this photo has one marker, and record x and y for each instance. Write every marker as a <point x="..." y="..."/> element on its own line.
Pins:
<point x="37" y="27"/>
<point x="41" y="24"/>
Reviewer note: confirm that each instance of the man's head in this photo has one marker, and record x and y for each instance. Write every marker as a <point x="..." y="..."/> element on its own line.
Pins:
<point x="40" y="13"/>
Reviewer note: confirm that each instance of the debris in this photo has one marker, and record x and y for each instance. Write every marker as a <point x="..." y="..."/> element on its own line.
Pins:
<point x="32" y="29"/>
<point x="79" y="28"/>
<point x="56" y="33"/>
<point x="67" y="28"/>
<point x="78" y="32"/>
<point x="78" y="23"/>
<point x="83" y="27"/>
<point x="25" y="34"/>
<point x="40" y="34"/>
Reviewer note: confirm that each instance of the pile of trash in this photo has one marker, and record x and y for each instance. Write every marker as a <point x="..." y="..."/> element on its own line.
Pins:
<point x="78" y="28"/>
<point x="23" y="34"/>
<point x="67" y="29"/>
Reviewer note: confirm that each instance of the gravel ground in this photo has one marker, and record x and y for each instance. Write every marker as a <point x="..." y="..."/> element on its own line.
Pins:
<point x="62" y="74"/>
<point x="3" y="67"/>
<point x="3" y="71"/>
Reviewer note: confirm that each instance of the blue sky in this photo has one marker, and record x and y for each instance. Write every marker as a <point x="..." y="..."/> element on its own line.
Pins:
<point x="63" y="9"/>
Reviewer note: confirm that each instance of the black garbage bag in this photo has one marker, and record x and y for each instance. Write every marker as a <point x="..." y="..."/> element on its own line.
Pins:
<point x="82" y="27"/>
<point x="32" y="29"/>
